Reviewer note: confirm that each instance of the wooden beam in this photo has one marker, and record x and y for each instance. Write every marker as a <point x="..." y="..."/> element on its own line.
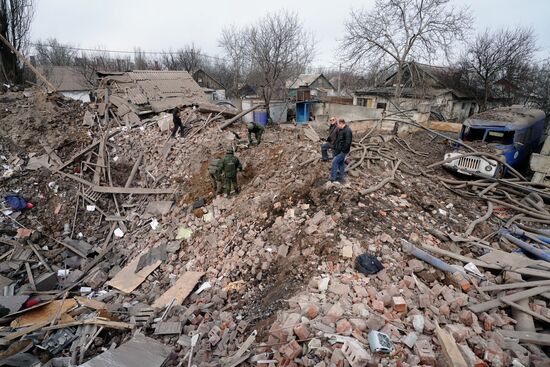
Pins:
<point x="50" y="152"/>
<point x="502" y="287"/>
<point x="486" y="306"/>
<point x="21" y="57"/>
<point x="100" y="162"/>
<point x="131" y="190"/>
<point x="527" y="310"/>
<point x="232" y="120"/>
<point x="134" y="171"/>
<point x="449" y="348"/>
<point x="29" y="275"/>
<point x="527" y="337"/>
<point x="74" y="157"/>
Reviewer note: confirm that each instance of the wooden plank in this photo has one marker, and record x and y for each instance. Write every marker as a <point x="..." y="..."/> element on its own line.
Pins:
<point x="502" y="287"/>
<point x="134" y="171"/>
<point x="76" y="178"/>
<point x="29" y="275"/>
<point x="527" y="337"/>
<point x="486" y="306"/>
<point x="96" y="321"/>
<point x="100" y="162"/>
<point x="449" y="348"/>
<point x="527" y="310"/>
<point x="127" y="279"/>
<point x="540" y="163"/>
<point x="50" y="152"/>
<point x="23" y="332"/>
<point x="180" y="290"/>
<point x="45" y="313"/>
<point x="75" y="156"/>
<point x="131" y="190"/>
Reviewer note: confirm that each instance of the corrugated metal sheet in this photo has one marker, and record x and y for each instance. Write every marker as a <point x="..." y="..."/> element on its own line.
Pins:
<point x="136" y="96"/>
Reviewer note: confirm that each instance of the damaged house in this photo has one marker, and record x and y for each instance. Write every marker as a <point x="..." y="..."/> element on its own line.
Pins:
<point x="213" y="88"/>
<point x="142" y="92"/>
<point x="69" y="81"/>
<point x="423" y="86"/>
<point x="309" y="86"/>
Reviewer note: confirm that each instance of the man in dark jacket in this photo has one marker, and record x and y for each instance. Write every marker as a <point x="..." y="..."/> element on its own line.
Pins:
<point x="230" y="165"/>
<point x="177" y="122"/>
<point x="342" y="147"/>
<point x="329" y="143"/>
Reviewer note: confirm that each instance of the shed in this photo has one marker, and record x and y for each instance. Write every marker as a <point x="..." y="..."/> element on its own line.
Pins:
<point x="69" y="82"/>
<point x="213" y="88"/>
<point x="306" y="87"/>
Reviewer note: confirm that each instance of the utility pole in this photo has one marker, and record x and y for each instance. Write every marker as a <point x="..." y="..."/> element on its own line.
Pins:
<point x="339" y="77"/>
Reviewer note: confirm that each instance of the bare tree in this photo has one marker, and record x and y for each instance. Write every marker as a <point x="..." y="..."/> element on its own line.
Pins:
<point x="277" y="47"/>
<point x="190" y="58"/>
<point x="15" y="23"/>
<point x="51" y="52"/>
<point x="493" y="55"/>
<point x="398" y="31"/>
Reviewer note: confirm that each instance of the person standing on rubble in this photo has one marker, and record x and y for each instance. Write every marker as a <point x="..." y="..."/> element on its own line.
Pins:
<point x="215" y="169"/>
<point x="342" y="147"/>
<point x="257" y="130"/>
<point x="230" y="166"/>
<point x="177" y="122"/>
<point x="329" y="143"/>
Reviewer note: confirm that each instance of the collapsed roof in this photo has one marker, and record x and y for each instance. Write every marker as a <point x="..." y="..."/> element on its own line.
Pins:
<point x="144" y="91"/>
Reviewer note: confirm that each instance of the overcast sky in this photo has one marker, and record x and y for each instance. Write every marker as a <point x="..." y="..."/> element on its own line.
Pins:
<point x="169" y="24"/>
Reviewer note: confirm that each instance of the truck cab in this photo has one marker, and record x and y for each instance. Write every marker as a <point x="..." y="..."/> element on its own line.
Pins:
<point x="511" y="134"/>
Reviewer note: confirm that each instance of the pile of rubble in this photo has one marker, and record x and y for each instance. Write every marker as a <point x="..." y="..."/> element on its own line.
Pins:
<point x="131" y="257"/>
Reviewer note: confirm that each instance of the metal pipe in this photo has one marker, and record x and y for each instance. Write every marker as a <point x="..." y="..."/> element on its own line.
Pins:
<point x="458" y="275"/>
<point x="543" y="255"/>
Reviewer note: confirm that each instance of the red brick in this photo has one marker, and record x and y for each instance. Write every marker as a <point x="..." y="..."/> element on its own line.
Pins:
<point x="424" y="351"/>
<point x="424" y="300"/>
<point x="495" y="355"/>
<point x="467" y="317"/>
<point x="378" y="305"/>
<point x="399" y="304"/>
<point x="310" y="311"/>
<point x="488" y="321"/>
<point x="301" y="331"/>
<point x="444" y="310"/>
<point x="291" y="350"/>
<point x="343" y="327"/>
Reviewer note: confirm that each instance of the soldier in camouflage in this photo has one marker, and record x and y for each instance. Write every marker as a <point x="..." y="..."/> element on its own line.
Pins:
<point x="215" y="169"/>
<point x="230" y="165"/>
<point x="257" y="130"/>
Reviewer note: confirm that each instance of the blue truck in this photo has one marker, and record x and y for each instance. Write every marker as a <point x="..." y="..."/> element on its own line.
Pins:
<point x="510" y="133"/>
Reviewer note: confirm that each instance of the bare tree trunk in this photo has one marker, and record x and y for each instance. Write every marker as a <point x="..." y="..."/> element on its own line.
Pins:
<point x="398" y="79"/>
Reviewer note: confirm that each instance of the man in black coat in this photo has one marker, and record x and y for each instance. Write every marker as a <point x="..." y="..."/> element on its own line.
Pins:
<point x="342" y="147"/>
<point x="329" y="143"/>
<point x="177" y="122"/>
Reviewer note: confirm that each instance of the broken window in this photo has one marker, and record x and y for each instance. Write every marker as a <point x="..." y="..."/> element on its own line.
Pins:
<point x="471" y="134"/>
<point x="500" y="137"/>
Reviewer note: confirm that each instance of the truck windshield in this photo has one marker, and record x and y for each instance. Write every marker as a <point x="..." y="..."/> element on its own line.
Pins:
<point x="493" y="136"/>
<point x="500" y="137"/>
<point x="471" y="134"/>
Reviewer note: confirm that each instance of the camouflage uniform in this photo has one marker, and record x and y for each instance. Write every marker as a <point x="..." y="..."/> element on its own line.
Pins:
<point x="215" y="169"/>
<point x="230" y="166"/>
<point x="258" y="130"/>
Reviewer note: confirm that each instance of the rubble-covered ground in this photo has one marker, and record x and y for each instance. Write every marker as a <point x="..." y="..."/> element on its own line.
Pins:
<point x="278" y="258"/>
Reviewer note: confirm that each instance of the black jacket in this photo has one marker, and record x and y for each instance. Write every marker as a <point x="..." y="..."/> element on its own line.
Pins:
<point x="343" y="141"/>
<point x="176" y="117"/>
<point x="332" y="134"/>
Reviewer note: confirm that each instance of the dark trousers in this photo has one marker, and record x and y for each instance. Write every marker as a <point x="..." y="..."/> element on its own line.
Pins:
<point x="177" y="125"/>
<point x="231" y="181"/>
<point x="324" y="151"/>
<point x="338" y="166"/>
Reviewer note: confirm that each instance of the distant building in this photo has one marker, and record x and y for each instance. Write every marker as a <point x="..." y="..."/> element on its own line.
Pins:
<point x="69" y="82"/>
<point x="422" y="85"/>
<point x="213" y="88"/>
<point x="306" y="87"/>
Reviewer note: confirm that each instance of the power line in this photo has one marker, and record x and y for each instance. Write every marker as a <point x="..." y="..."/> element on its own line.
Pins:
<point x="124" y="51"/>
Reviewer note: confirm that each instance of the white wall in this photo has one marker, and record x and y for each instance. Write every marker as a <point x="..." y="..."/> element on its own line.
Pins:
<point x="347" y="112"/>
<point x="83" y="96"/>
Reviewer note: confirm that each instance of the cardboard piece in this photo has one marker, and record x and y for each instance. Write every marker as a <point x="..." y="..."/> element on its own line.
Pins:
<point x="179" y="291"/>
<point x="127" y="279"/>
